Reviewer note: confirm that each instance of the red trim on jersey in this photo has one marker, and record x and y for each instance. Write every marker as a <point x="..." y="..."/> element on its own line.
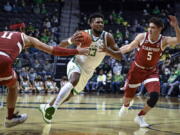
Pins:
<point x="145" y="37"/>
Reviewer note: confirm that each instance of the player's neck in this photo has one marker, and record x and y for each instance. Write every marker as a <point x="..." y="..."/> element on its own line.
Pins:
<point x="154" y="37"/>
<point x="96" y="33"/>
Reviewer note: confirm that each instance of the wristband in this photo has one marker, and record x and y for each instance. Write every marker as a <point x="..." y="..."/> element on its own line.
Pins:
<point x="69" y="41"/>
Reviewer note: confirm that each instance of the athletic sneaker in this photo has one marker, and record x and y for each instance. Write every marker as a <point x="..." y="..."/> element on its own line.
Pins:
<point x="47" y="112"/>
<point x="124" y="110"/>
<point x="17" y="119"/>
<point x="141" y="122"/>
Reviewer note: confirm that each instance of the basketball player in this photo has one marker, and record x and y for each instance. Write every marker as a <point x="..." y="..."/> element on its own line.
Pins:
<point x="11" y="45"/>
<point x="81" y="68"/>
<point x="150" y="46"/>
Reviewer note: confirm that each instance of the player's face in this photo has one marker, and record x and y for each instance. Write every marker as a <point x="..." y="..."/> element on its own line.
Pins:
<point x="153" y="29"/>
<point x="97" y="25"/>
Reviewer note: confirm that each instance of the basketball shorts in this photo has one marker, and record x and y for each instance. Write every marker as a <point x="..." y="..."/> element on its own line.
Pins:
<point x="7" y="74"/>
<point x="84" y="75"/>
<point x="136" y="76"/>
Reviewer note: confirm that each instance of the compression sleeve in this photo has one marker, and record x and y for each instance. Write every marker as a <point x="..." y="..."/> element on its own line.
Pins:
<point x="59" y="51"/>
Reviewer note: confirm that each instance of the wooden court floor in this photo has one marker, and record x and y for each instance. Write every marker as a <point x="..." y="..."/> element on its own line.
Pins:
<point x="93" y="115"/>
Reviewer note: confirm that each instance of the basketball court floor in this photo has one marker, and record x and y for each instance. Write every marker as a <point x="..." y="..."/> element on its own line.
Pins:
<point x="93" y="115"/>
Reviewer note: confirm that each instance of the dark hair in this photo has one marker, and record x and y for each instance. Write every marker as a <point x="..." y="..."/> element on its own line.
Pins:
<point x="95" y="15"/>
<point x="157" y="21"/>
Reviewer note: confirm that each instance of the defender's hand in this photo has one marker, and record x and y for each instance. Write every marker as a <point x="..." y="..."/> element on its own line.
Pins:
<point x="83" y="51"/>
<point x="105" y="49"/>
<point x="173" y="21"/>
<point x="115" y="54"/>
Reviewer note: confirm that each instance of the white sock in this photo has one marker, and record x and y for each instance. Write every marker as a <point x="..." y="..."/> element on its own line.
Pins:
<point x="63" y="94"/>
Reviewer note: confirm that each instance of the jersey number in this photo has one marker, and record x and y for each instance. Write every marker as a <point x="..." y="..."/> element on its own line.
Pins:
<point x="7" y="35"/>
<point x="149" y="55"/>
<point x="92" y="51"/>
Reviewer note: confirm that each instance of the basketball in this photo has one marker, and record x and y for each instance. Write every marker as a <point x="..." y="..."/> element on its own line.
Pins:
<point x="87" y="40"/>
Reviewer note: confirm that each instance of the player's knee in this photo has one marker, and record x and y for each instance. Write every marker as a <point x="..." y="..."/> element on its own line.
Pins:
<point x="74" y="79"/>
<point x="154" y="96"/>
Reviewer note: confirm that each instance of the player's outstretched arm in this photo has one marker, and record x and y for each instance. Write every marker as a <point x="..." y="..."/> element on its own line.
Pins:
<point x="173" y="40"/>
<point x="112" y="49"/>
<point x="115" y="54"/>
<point x="134" y="44"/>
<point x="124" y="49"/>
<point x="75" y="39"/>
<point x="56" y="50"/>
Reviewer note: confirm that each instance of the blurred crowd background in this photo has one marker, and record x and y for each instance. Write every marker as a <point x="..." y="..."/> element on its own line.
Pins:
<point x="53" y="20"/>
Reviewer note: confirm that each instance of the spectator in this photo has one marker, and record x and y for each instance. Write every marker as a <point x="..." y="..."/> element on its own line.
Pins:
<point x="47" y="66"/>
<point x="47" y="23"/>
<point x="26" y="86"/>
<point x="117" y="82"/>
<point x="50" y="86"/>
<point x="156" y="10"/>
<point x="7" y="7"/>
<point x="173" y="81"/>
<point x="117" y="68"/>
<point x="36" y="9"/>
<point x="101" y="81"/>
<point x="39" y="85"/>
<point x="92" y="83"/>
<point x="43" y="9"/>
<point x="32" y="75"/>
<point x="63" y="81"/>
<point x="24" y="73"/>
<point x="52" y="43"/>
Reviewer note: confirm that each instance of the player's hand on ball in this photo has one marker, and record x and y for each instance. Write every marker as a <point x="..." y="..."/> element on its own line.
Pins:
<point x="83" y="51"/>
<point x="77" y="38"/>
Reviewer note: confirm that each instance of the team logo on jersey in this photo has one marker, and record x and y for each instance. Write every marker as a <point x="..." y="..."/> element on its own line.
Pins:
<point x="147" y="48"/>
<point x="98" y="44"/>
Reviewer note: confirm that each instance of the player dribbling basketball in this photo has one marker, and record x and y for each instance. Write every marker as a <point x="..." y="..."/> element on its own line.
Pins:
<point x="81" y="68"/>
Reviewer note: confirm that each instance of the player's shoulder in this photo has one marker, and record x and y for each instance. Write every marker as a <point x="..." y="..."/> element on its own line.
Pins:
<point x="108" y="34"/>
<point x="164" y="40"/>
<point x="163" y="37"/>
<point x="141" y="36"/>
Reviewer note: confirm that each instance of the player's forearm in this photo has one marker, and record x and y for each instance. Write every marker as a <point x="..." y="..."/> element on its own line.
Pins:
<point x="115" y="54"/>
<point x="56" y="50"/>
<point x="59" y="51"/>
<point x="177" y="30"/>
<point x="40" y="45"/>
<point x="125" y="49"/>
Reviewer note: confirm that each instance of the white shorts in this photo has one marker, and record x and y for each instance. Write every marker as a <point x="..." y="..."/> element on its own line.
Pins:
<point x="84" y="77"/>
